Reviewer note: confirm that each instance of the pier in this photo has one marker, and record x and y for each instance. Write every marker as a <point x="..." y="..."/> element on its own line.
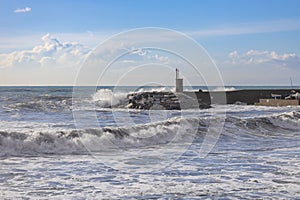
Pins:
<point x="181" y="99"/>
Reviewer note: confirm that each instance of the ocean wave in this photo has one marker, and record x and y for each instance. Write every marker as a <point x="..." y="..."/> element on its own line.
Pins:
<point x="43" y="102"/>
<point x="220" y="89"/>
<point x="107" y="98"/>
<point x="156" y="89"/>
<point x="276" y="125"/>
<point x="35" y="89"/>
<point x="102" y="139"/>
<point x="49" y="104"/>
<point x="177" y="129"/>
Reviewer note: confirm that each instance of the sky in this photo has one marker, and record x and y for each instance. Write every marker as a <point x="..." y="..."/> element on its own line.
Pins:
<point x="251" y="42"/>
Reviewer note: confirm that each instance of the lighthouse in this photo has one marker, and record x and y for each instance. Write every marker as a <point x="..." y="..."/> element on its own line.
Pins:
<point x="179" y="82"/>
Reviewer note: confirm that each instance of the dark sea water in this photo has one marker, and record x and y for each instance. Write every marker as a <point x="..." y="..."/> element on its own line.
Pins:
<point x="55" y="144"/>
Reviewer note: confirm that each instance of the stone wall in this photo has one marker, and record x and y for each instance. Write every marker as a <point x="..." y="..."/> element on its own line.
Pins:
<point x="153" y="100"/>
<point x="164" y="101"/>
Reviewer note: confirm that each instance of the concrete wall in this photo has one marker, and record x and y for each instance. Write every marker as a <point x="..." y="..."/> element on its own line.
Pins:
<point x="278" y="102"/>
<point x="249" y="97"/>
<point x="200" y="99"/>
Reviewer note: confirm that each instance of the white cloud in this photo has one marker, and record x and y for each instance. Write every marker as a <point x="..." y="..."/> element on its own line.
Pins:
<point x="258" y="67"/>
<point x="47" y="61"/>
<point x="10" y="43"/>
<point x="256" y="57"/>
<point x="140" y="55"/>
<point x="23" y="10"/>
<point x="160" y="59"/>
<point x="138" y="51"/>
<point x="52" y="53"/>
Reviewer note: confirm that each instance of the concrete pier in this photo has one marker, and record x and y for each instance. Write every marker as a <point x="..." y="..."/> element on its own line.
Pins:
<point x="278" y="102"/>
<point x="203" y="99"/>
<point x="249" y="97"/>
<point x="200" y="99"/>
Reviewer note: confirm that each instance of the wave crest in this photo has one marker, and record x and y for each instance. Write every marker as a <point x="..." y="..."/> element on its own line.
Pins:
<point x="107" y="98"/>
<point x="177" y="130"/>
<point x="102" y="139"/>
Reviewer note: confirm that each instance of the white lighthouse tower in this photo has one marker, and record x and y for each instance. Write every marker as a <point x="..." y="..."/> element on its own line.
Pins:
<point x="179" y="82"/>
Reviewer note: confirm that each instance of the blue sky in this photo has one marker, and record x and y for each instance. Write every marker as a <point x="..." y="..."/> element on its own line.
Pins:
<point x="242" y="36"/>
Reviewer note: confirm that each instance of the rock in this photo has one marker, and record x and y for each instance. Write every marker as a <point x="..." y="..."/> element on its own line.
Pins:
<point x="204" y="106"/>
<point x="161" y="100"/>
<point x="129" y="105"/>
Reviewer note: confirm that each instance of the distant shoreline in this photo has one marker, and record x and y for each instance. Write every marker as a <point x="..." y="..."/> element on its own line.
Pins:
<point x="168" y="86"/>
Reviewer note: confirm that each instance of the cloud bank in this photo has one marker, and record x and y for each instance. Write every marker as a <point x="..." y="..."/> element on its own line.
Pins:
<point x="52" y="53"/>
<point x="261" y="67"/>
<point x="23" y="10"/>
<point x="54" y="61"/>
<point x="257" y="57"/>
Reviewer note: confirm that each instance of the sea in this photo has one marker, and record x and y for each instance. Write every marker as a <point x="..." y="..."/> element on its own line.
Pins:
<point x="61" y="143"/>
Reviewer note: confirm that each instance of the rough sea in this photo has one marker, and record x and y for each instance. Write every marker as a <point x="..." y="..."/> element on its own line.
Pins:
<point x="54" y="145"/>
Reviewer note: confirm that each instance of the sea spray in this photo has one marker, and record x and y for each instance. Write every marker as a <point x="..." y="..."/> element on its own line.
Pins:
<point x="107" y="98"/>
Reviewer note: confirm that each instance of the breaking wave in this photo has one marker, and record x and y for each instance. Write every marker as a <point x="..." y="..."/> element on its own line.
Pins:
<point x="46" y="102"/>
<point x="73" y="141"/>
<point x="102" y="139"/>
<point x="107" y="98"/>
<point x="277" y="125"/>
<point x="156" y="89"/>
<point x="220" y="89"/>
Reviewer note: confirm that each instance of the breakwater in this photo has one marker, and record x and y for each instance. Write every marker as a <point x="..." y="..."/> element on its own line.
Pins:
<point x="249" y="97"/>
<point x="198" y="99"/>
<point x="153" y="100"/>
<point x="164" y="100"/>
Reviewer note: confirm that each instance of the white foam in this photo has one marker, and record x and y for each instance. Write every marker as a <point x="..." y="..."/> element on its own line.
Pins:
<point x="220" y="89"/>
<point x="157" y="89"/>
<point x="226" y="173"/>
<point x="49" y="140"/>
<point x="107" y="98"/>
